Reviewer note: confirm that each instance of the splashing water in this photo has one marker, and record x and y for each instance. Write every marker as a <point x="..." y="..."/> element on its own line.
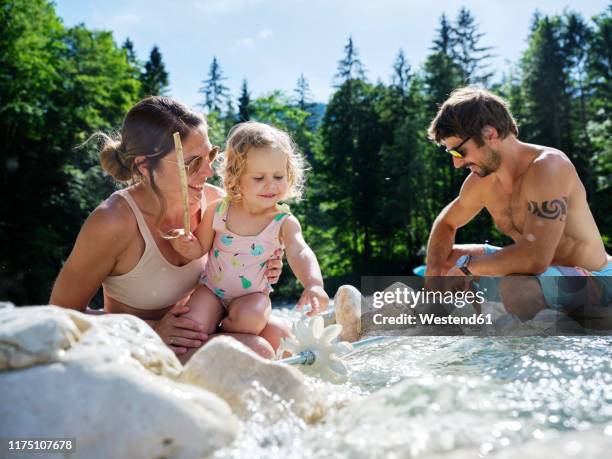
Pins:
<point x="451" y="397"/>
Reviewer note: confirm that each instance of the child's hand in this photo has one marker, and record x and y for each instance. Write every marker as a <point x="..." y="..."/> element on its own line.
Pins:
<point x="185" y="245"/>
<point x="274" y="266"/>
<point x="316" y="297"/>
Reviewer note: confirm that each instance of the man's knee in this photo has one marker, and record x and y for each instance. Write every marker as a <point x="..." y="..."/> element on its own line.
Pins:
<point x="522" y="296"/>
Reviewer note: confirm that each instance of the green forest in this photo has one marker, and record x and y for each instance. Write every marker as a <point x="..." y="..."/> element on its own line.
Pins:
<point x="376" y="182"/>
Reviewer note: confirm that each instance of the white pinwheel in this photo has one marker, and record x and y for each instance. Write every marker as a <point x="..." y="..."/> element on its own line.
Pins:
<point x="317" y="346"/>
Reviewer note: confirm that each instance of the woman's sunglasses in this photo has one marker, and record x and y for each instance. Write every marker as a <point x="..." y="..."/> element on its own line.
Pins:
<point x="454" y="151"/>
<point x="193" y="164"/>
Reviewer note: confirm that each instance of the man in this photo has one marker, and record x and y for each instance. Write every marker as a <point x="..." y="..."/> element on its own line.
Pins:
<point x="532" y="192"/>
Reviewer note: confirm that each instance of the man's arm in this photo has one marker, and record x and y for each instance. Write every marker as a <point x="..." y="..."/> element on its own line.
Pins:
<point x="455" y="215"/>
<point x="548" y="185"/>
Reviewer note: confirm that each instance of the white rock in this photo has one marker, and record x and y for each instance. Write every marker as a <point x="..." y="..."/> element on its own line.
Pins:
<point x="229" y="369"/>
<point x="44" y="334"/>
<point x="114" y="411"/>
<point x="34" y="335"/>
<point x="347" y="307"/>
<point x="127" y="338"/>
<point x="393" y="308"/>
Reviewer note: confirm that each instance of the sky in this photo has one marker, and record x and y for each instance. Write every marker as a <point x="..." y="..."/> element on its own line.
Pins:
<point x="272" y="42"/>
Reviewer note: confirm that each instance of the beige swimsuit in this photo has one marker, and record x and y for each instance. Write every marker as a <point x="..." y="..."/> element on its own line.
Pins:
<point x="154" y="283"/>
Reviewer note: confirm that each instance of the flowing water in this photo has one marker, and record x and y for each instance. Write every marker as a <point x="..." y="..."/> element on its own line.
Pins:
<point x="453" y="397"/>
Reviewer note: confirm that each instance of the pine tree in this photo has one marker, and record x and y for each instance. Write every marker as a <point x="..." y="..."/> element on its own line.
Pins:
<point x="154" y="79"/>
<point x="600" y="66"/>
<point x="576" y="37"/>
<point x="350" y="66"/>
<point x="544" y="66"/>
<point x="128" y="46"/>
<point x="244" y="102"/>
<point x="440" y="76"/>
<point x="216" y="94"/>
<point x="401" y="73"/>
<point x="351" y="136"/>
<point x="599" y="78"/>
<point x="465" y="49"/>
<point x="132" y="59"/>
<point x="302" y="94"/>
<point x="444" y="36"/>
<point x="398" y="170"/>
<point x="511" y="89"/>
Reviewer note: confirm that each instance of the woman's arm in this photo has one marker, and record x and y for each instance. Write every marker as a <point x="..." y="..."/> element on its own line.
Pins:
<point x="101" y="239"/>
<point x="304" y="264"/>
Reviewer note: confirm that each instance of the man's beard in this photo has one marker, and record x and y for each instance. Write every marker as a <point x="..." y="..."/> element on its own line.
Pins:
<point x="491" y="164"/>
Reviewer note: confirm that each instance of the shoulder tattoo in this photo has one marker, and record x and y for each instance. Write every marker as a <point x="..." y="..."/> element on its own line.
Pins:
<point x="552" y="210"/>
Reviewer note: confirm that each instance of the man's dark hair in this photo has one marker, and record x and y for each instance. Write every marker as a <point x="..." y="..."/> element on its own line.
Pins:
<point x="467" y="111"/>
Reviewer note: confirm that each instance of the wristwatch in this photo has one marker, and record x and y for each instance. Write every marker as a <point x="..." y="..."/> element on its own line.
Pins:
<point x="462" y="263"/>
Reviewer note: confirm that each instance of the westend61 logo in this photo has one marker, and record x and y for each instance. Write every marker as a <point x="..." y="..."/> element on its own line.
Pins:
<point x="485" y="306"/>
<point x="412" y="298"/>
<point x="406" y="297"/>
<point x="443" y="306"/>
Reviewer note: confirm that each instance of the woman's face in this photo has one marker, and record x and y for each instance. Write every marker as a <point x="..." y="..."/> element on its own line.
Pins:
<point x="195" y="146"/>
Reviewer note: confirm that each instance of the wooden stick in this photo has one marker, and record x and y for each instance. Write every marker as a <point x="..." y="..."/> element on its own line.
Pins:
<point x="183" y="177"/>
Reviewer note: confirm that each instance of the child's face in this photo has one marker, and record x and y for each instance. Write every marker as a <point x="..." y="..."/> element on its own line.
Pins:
<point x="264" y="180"/>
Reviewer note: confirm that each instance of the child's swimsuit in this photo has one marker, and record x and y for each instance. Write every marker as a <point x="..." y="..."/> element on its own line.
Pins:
<point x="237" y="264"/>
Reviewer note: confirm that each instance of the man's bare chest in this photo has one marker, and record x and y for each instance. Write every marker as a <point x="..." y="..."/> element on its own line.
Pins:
<point x="508" y="209"/>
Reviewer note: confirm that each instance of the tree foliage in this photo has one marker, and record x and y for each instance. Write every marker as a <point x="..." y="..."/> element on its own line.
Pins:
<point x="57" y="86"/>
<point x="376" y="183"/>
<point x="216" y="94"/>
<point x="154" y="78"/>
<point x="244" y="102"/>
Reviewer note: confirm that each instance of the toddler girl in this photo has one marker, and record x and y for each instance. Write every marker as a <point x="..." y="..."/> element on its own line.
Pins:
<point x="240" y="232"/>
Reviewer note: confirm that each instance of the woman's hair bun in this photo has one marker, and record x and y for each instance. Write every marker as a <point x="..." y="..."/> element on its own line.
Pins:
<point x="113" y="162"/>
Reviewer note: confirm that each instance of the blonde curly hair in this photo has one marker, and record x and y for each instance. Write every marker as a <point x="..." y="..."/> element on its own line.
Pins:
<point x="244" y="137"/>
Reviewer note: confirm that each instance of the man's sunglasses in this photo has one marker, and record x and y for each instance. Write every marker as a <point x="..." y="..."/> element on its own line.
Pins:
<point x="193" y="164"/>
<point x="455" y="151"/>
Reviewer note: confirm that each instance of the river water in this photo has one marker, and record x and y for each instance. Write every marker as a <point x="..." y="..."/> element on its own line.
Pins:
<point x="452" y="397"/>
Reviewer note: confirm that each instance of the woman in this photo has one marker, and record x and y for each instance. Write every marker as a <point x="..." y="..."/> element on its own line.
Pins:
<point x="121" y="245"/>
